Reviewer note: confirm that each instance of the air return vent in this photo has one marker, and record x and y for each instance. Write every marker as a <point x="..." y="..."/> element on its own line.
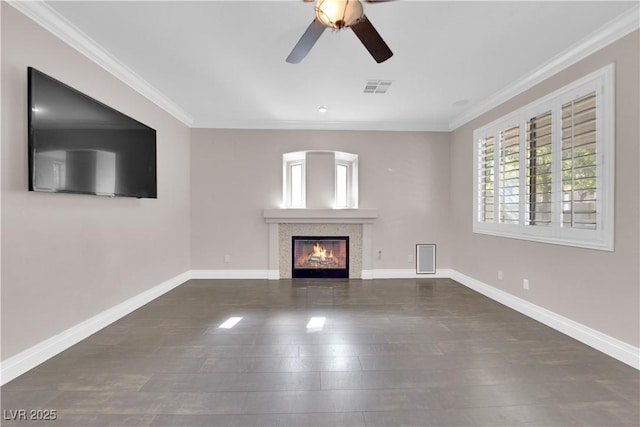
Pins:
<point x="377" y="86"/>
<point x="425" y="258"/>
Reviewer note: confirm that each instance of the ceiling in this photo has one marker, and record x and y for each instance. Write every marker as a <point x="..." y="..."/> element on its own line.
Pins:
<point x="222" y="63"/>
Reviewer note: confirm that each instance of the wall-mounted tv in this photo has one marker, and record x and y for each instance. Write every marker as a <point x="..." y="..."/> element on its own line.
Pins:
<point x="80" y="145"/>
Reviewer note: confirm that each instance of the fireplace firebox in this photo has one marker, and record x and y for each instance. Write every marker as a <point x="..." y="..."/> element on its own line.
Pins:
<point x="320" y="257"/>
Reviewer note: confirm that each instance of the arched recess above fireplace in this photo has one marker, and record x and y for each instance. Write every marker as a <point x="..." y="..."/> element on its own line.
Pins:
<point x="320" y="179"/>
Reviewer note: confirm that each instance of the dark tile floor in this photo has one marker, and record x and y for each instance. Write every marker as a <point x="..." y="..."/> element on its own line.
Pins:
<point x="414" y="352"/>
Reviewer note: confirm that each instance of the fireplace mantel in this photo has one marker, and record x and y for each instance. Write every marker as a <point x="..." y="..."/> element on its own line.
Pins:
<point x="320" y="216"/>
<point x="328" y="222"/>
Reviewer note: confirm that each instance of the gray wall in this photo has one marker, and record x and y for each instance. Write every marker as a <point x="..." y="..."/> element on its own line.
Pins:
<point x="598" y="289"/>
<point x="66" y="258"/>
<point x="235" y="174"/>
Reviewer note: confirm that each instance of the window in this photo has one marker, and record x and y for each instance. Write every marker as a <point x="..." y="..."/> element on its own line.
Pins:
<point x="342" y="185"/>
<point x="486" y="158"/>
<point x="538" y="170"/>
<point x="509" y="182"/>
<point x="345" y="180"/>
<point x="293" y="189"/>
<point x="579" y="163"/>
<point x="545" y="172"/>
<point x="297" y="186"/>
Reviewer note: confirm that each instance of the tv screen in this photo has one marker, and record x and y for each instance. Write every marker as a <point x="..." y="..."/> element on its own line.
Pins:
<point x="79" y="145"/>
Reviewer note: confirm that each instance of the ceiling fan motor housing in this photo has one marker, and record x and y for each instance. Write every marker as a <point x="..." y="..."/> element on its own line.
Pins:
<point x="339" y="14"/>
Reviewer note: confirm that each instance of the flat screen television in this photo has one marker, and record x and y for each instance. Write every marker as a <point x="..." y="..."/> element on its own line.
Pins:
<point x="80" y="145"/>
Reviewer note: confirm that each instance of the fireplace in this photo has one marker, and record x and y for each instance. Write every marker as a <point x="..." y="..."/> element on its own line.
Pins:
<point x="320" y="257"/>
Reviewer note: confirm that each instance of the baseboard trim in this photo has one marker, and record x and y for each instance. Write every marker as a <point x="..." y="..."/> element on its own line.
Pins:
<point x="410" y="273"/>
<point x="273" y="275"/>
<point x="231" y="274"/>
<point x="39" y="353"/>
<point x="610" y="346"/>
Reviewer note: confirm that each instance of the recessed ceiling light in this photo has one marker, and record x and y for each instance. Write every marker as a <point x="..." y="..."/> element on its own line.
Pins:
<point x="460" y="103"/>
<point x="322" y="108"/>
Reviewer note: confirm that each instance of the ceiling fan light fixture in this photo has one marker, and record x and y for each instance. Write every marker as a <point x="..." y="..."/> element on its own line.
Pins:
<point x="338" y="14"/>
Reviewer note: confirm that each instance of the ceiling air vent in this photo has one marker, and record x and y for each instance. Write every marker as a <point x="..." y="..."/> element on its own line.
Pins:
<point x="377" y="86"/>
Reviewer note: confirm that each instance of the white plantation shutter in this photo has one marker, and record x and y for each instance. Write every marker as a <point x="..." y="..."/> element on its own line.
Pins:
<point x="579" y="163"/>
<point x="486" y="179"/>
<point x="509" y="182"/>
<point x="539" y="170"/>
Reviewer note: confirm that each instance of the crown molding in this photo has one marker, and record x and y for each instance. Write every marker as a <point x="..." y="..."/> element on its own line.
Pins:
<point x="45" y="16"/>
<point x="324" y="125"/>
<point x="55" y="23"/>
<point x="605" y="35"/>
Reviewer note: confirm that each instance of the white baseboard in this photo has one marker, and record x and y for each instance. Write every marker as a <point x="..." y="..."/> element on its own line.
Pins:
<point x="409" y="273"/>
<point x="39" y="353"/>
<point x="273" y="275"/>
<point x="33" y="356"/>
<point x="613" y="347"/>
<point x="232" y="274"/>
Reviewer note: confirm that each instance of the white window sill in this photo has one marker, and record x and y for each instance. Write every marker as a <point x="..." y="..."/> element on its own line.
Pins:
<point x="601" y="245"/>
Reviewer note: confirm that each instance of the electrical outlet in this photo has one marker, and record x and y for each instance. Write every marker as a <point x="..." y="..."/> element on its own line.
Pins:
<point x="227" y="258"/>
<point x="525" y="284"/>
<point x="409" y="258"/>
<point x="500" y="275"/>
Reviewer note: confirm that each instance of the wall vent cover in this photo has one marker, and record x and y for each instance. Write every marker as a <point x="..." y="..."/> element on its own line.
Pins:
<point x="425" y="258"/>
<point x="377" y="86"/>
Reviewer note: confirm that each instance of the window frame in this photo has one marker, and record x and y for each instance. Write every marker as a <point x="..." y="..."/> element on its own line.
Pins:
<point x="350" y="161"/>
<point x="339" y="189"/>
<point x="289" y="160"/>
<point x="602" y="237"/>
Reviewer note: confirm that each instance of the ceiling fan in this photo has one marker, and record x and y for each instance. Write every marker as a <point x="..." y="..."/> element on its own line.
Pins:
<point x="339" y="14"/>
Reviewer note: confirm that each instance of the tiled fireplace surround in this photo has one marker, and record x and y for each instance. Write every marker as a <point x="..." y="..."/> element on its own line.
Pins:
<point x="355" y="223"/>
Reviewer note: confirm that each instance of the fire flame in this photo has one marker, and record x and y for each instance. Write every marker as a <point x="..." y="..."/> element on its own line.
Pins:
<point x="318" y="257"/>
<point x="320" y="252"/>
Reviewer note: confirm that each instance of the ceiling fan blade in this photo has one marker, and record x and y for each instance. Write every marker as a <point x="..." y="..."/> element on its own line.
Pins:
<point x="371" y="39"/>
<point x="306" y="42"/>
